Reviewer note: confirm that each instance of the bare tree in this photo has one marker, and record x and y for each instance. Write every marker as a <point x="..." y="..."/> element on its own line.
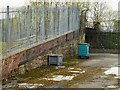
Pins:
<point x="97" y="10"/>
<point x="110" y="20"/>
<point x="84" y="8"/>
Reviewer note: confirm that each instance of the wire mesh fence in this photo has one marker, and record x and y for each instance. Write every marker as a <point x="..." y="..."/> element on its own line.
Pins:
<point x="23" y="27"/>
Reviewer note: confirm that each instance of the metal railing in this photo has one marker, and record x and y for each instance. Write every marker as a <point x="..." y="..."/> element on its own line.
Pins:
<point x="23" y="27"/>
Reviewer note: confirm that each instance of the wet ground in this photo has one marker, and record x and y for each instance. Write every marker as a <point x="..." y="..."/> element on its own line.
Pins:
<point x="100" y="80"/>
<point x="74" y="73"/>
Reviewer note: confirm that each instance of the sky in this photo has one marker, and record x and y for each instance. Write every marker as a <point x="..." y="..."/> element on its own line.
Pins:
<point x="113" y="4"/>
<point x="17" y="3"/>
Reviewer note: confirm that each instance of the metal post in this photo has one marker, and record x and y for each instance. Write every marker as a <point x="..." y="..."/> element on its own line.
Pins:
<point x="60" y="21"/>
<point x="28" y="24"/>
<point x="43" y="23"/>
<point x="58" y="14"/>
<point x="7" y="30"/>
<point x="43" y="30"/>
<point x="72" y="18"/>
<point x="1" y="33"/>
<point x="68" y="19"/>
<point x="36" y="14"/>
<point x="51" y="22"/>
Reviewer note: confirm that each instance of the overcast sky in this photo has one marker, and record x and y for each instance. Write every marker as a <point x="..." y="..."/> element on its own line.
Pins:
<point x="15" y="3"/>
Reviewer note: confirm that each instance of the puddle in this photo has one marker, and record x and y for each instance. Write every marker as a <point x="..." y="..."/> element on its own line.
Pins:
<point x="103" y="76"/>
<point x="112" y="86"/>
<point x="82" y="72"/>
<point x="71" y="68"/>
<point x="66" y="78"/>
<point x="117" y="77"/>
<point x="26" y="85"/>
<point x="113" y="71"/>
<point x="75" y="75"/>
<point x="60" y="67"/>
<point x="105" y="68"/>
<point x="75" y="71"/>
<point x="78" y="69"/>
<point x="60" y="78"/>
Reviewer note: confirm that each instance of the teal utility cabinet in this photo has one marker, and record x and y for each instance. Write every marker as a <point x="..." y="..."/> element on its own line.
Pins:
<point x="83" y="50"/>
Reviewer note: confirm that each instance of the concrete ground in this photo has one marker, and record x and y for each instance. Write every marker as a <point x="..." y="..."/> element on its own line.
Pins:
<point x="104" y="61"/>
<point x="93" y="77"/>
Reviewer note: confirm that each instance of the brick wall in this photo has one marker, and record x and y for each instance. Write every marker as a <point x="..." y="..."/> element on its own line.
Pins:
<point x="37" y="56"/>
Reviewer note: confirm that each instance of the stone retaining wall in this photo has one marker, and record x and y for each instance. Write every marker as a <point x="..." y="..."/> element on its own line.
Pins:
<point x="37" y="56"/>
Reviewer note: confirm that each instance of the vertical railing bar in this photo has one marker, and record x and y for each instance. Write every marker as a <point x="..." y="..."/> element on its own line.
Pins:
<point x="0" y="36"/>
<point x="36" y="13"/>
<point x="63" y="20"/>
<point x="18" y="30"/>
<point x="8" y="30"/>
<point x="32" y="21"/>
<point x="28" y="24"/>
<point x="60" y="30"/>
<point x="48" y="29"/>
<point x="60" y="23"/>
<point x="52" y="22"/>
<point x="43" y="29"/>
<point x="10" y="27"/>
<point x="45" y="16"/>
<point x="20" y="25"/>
<point x="23" y="29"/>
<point x="68" y="19"/>
<point x="3" y="35"/>
<point x="48" y="32"/>
<point x="58" y="20"/>
<point x="39" y="18"/>
<point x="72" y="18"/>
<point x="42" y="23"/>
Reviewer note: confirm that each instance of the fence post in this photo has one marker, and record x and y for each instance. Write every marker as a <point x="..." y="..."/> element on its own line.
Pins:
<point x="60" y="21"/>
<point x="43" y="22"/>
<point x="63" y="21"/>
<point x="1" y="31"/>
<point x="7" y="30"/>
<point x="51" y="22"/>
<point x="1" y="38"/>
<point x="28" y="24"/>
<point x="78" y="19"/>
<point x="59" y="31"/>
<point x="68" y="19"/>
<point x="57" y="20"/>
<point x="37" y="22"/>
<point x="72" y="18"/>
